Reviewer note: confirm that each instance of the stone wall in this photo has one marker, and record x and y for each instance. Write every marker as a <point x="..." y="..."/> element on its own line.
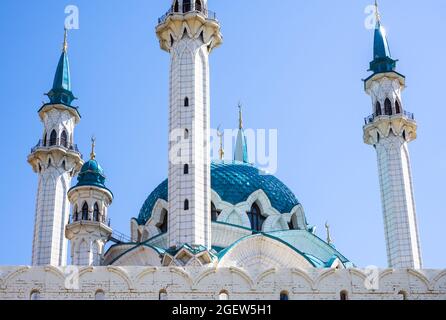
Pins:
<point x="207" y="283"/>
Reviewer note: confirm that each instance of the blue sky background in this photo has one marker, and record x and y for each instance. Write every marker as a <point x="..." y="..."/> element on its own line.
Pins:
<point x="296" y="65"/>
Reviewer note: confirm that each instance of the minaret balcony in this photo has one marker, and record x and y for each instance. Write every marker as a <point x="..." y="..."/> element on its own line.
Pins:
<point x="208" y="14"/>
<point x="59" y="143"/>
<point x="405" y="114"/>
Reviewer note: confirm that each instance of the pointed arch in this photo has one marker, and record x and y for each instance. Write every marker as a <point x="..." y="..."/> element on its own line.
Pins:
<point x="378" y="110"/>
<point x="198" y="5"/>
<point x="256" y="218"/>
<point x="186" y="102"/>
<point x="388" y="107"/>
<point x="214" y="212"/>
<point x="176" y="6"/>
<point x="164" y="221"/>
<point x="53" y="138"/>
<point x="76" y="213"/>
<point x="186" y="205"/>
<point x="85" y="211"/>
<point x="45" y="138"/>
<point x="96" y="212"/>
<point x="397" y="107"/>
<point x="64" y="139"/>
<point x="187" y="6"/>
<point x="186" y="134"/>
<point x="284" y="296"/>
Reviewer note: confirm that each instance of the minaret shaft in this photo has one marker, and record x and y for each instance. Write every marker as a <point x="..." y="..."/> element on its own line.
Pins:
<point x="389" y="130"/>
<point x="189" y="35"/>
<point x="398" y="203"/>
<point x="189" y="82"/>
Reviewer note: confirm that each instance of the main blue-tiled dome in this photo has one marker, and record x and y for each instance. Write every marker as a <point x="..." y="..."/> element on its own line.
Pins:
<point x="234" y="183"/>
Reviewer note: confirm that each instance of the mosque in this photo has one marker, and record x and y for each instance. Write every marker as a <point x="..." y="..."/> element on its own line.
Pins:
<point x="212" y="229"/>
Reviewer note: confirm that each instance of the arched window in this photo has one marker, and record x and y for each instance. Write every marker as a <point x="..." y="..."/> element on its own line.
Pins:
<point x="214" y="212"/>
<point x="186" y="102"/>
<point x="186" y="205"/>
<point x="64" y="139"/>
<point x="403" y="295"/>
<point x="198" y="6"/>
<point x="45" y="137"/>
<point x="163" y="295"/>
<point x="397" y="107"/>
<point x="53" y="138"/>
<point x="223" y="295"/>
<point x="378" y="110"/>
<point x="186" y="134"/>
<point x="164" y="224"/>
<point x="186" y="6"/>
<point x="284" y="296"/>
<point x="99" y="295"/>
<point x="176" y="7"/>
<point x="85" y="211"/>
<point x="256" y="218"/>
<point x="75" y="213"/>
<point x="344" y="295"/>
<point x="388" y="107"/>
<point x="186" y="169"/>
<point x="96" y="212"/>
<point x="35" y="295"/>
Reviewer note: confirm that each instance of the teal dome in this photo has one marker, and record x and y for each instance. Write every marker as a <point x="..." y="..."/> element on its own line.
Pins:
<point x="91" y="174"/>
<point x="234" y="182"/>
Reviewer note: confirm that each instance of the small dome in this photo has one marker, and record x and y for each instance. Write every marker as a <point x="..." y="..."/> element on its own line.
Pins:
<point x="91" y="174"/>
<point x="234" y="182"/>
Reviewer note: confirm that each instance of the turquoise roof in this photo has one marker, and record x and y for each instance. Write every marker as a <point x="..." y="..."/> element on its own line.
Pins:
<point x="91" y="174"/>
<point x="61" y="91"/>
<point x="382" y="58"/>
<point x="234" y="182"/>
<point x="311" y="246"/>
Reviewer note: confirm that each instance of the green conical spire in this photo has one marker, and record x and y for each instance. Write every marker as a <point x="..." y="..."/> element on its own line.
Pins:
<point x="61" y="91"/>
<point x="382" y="59"/>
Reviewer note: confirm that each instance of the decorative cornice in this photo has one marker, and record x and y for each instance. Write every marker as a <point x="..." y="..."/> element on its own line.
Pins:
<point x="195" y="23"/>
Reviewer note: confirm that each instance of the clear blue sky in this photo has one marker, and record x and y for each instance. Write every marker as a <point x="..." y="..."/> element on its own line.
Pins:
<point x="296" y="65"/>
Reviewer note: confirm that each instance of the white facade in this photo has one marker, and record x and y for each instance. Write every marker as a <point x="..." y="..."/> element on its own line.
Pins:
<point x="390" y="131"/>
<point x="155" y="283"/>
<point x="88" y="233"/>
<point x="189" y="38"/>
<point x="56" y="161"/>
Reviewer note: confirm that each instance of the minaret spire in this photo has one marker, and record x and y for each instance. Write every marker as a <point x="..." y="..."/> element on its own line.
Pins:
<point x="241" y="146"/>
<point x="240" y="116"/>
<point x="93" y="145"/>
<point x="327" y="227"/>
<point x="221" y="151"/>
<point x="378" y="16"/>
<point x="382" y="58"/>
<point x="65" y="41"/>
<point x="61" y="91"/>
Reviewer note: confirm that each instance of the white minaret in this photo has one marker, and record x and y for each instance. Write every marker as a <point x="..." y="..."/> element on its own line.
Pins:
<point x="89" y="230"/>
<point x="56" y="160"/>
<point x="389" y="130"/>
<point x="189" y="32"/>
